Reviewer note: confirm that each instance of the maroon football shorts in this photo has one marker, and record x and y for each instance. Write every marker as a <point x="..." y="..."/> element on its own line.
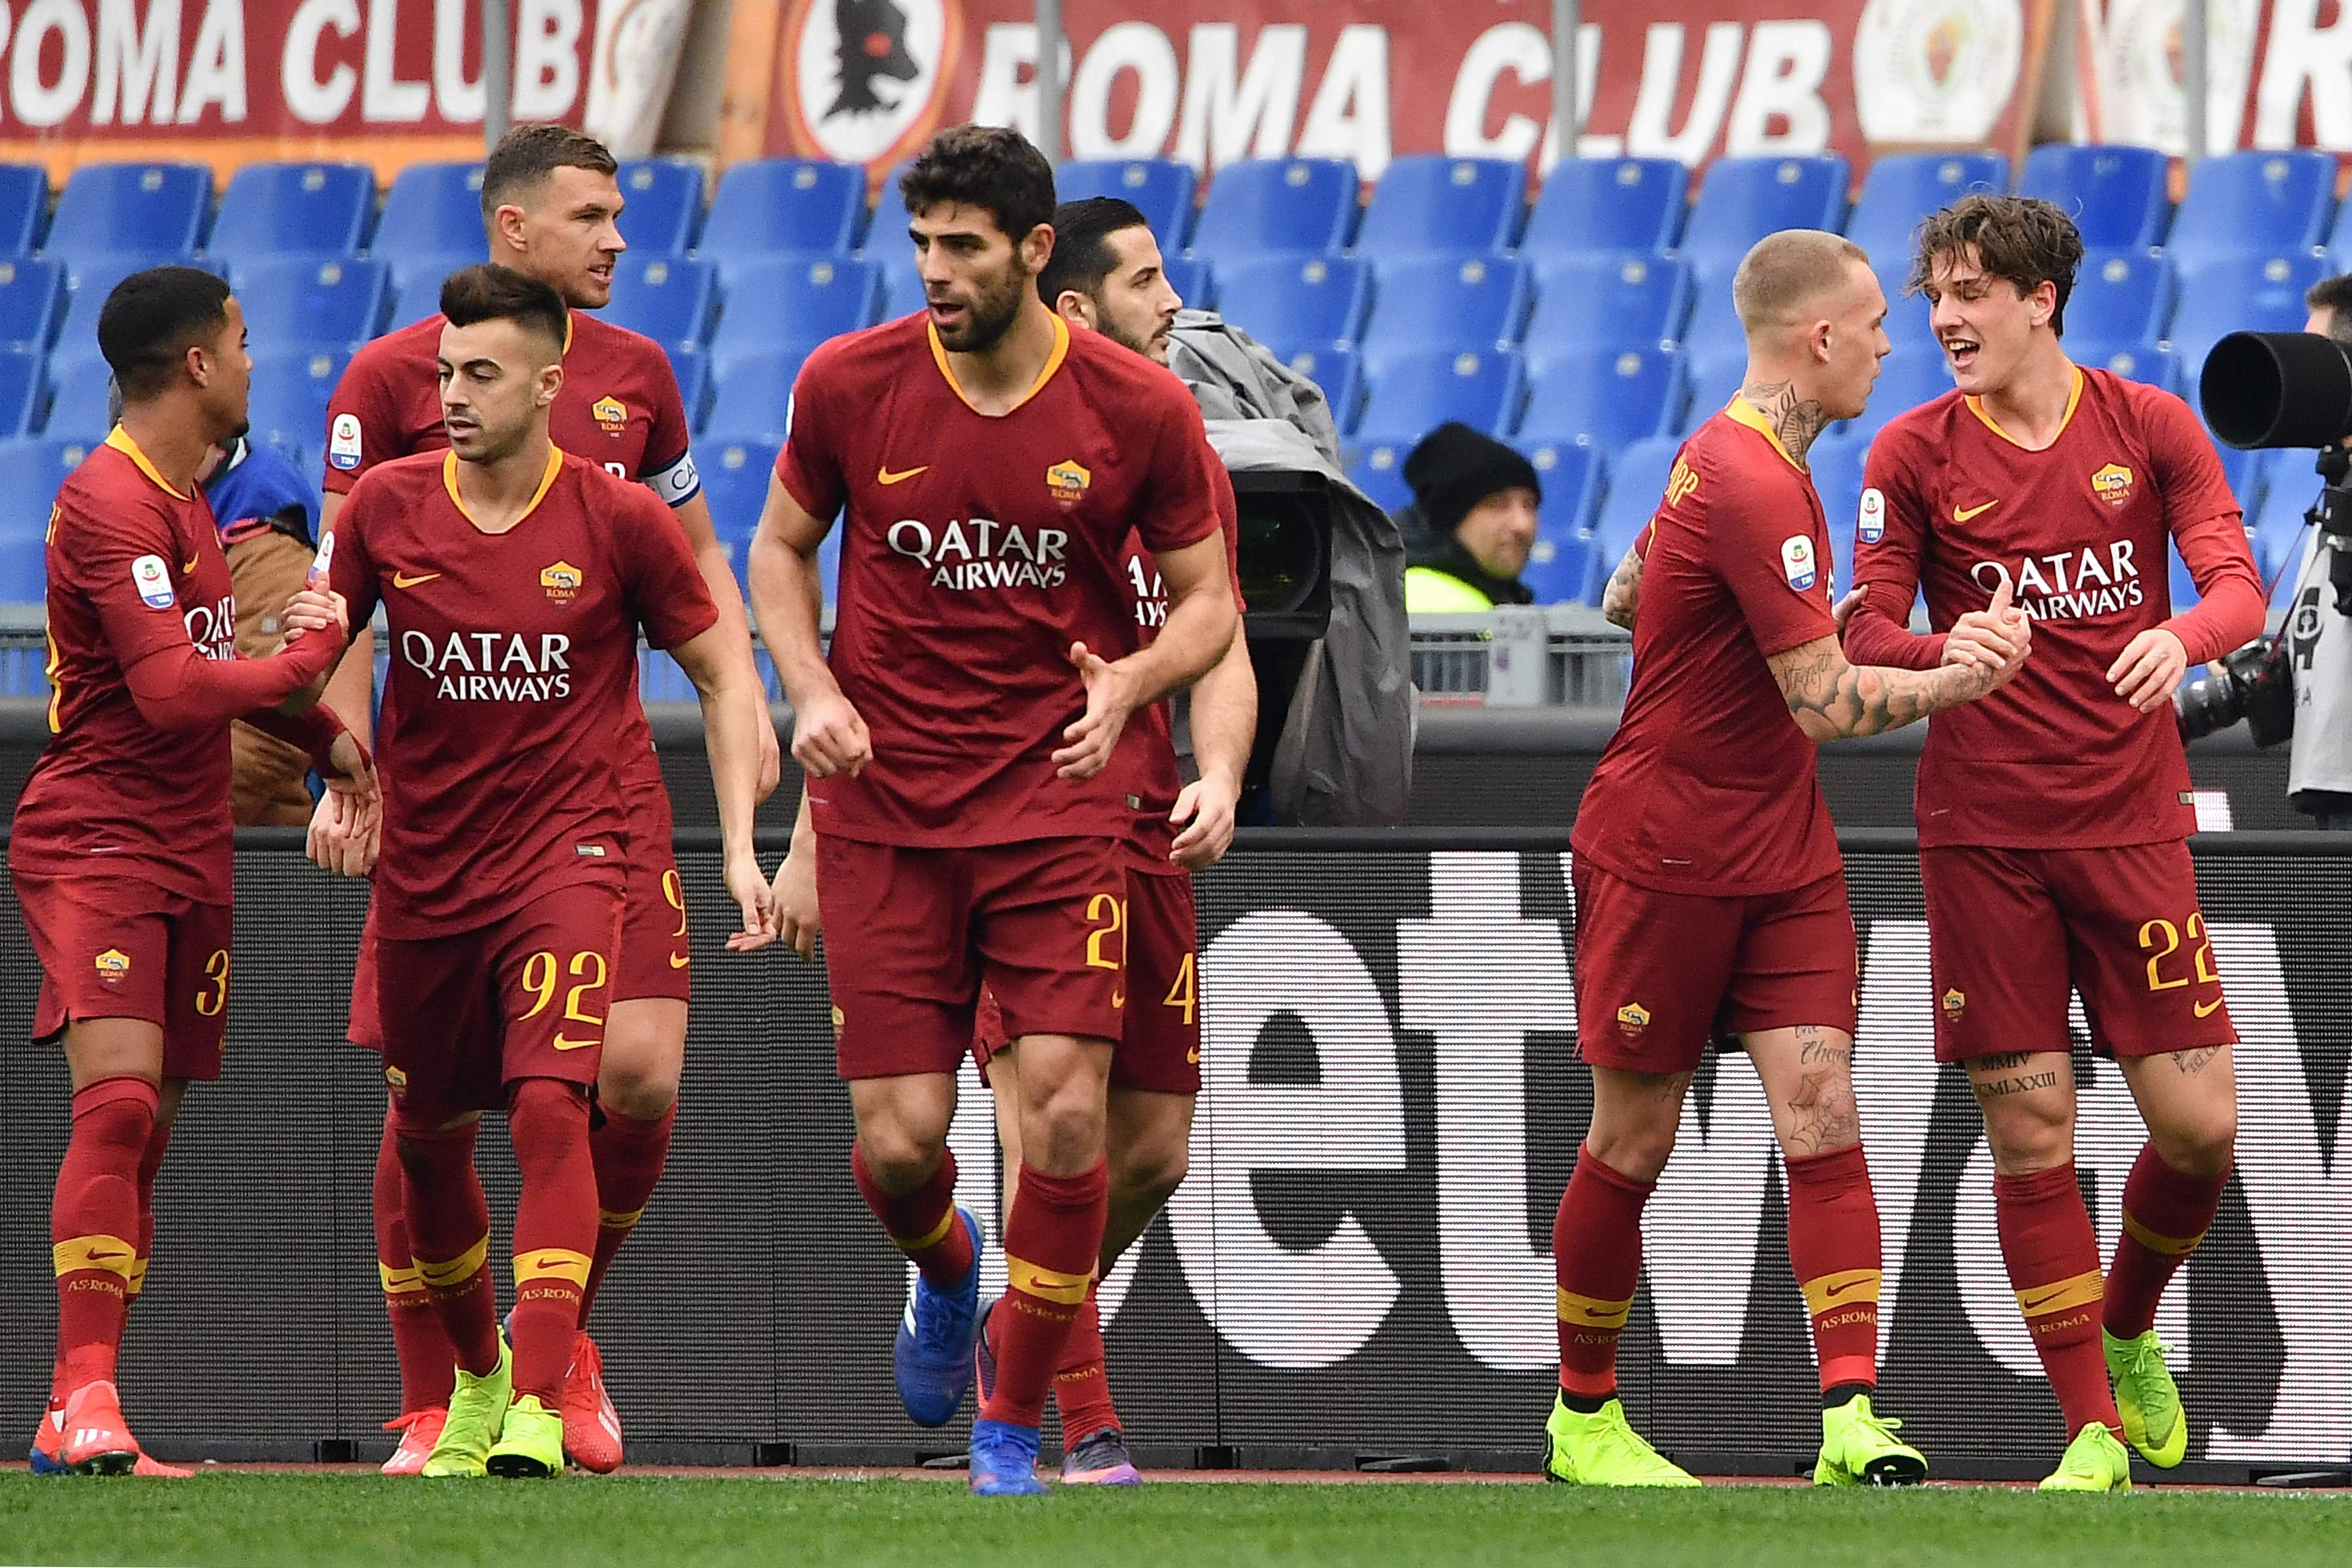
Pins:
<point x="2010" y="932"/>
<point x="1659" y="975"/>
<point x="114" y="948"/>
<point x="1159" y="1048"/>
<point x="653" y="958"/>
<point x="524" y="997"/>
<point x="364" y="1029"/>
<point x="910" y="935"/>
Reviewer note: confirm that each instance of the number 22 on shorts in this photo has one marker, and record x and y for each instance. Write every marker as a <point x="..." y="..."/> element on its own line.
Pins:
<point x="2160" y="938"/>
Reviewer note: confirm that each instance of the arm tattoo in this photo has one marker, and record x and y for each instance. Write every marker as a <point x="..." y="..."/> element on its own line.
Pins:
<point x="1794" y="420"/>
<point x="1853" y="699"/>
<point x="1623" y="596"/>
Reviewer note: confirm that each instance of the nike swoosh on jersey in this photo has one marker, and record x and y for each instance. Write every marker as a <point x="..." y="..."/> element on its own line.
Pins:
<point x="403" y="580"/>
<point x="189" y="565"/>
<point x="887" y="477"/>
<point x="1963" y="513"/>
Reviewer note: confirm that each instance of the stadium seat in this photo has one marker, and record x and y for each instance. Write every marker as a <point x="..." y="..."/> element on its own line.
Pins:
<point x="2120" y="294"/>
<point x="795" y="302"/>
<point x="40" y="466"/>
<point x="662" y="202"/>
<point x="2245" y="472"/>
<point x="2261" y="202"/>
<point x="668" y="298"/>
<point x="1714" y="374"/>
<point x="1902" y="188"/>
<point x="1607" y="204"/>
<point x="885" y="230"/>
<point x="1836" y="463"/>
<point x="1915" y="373"/>
<point x="1277" y="206"/>
<point x="1744" y="199"/>
<point x="1602" y="300"/>
<point x="24" y="568"/>
<point x="20" y="391"/>
<point x="1335" y="369"/>
<point x="1428" y="202"/>
<point x="783" y="206"/>
<point x="1376" y="466"/>
<point x="1289" y="301"/>
<point x="1572" y="473"/>
<point x="24" y="203"/>
<point x="32" y="298"/>
<point x="1563" y="568"/>
<point x="2116" y="196"/>
<point x="2183" y="586"/>
<point x="1161" y="188"/>
<point x="1714" y="324"/>
<point x="130" y="209"/>
<point x="90" y="281"/>
<point x="290" y="389"/>
<point x="1190" y="277"/>
<point x="289" y="209"/>
<point x="1637" y="482"/>
<point x="432" y="209"/>
<point x="78" y="401"/>
<point x="735" y="471"/>
<point x="417" y="285"/>
<point x="1607" y="400"/>
<point x="1444" y="302"/>
<point x="2150" y="363"/>
<point x="1415" y="392"/>
<point x="902" y="290"/>
<point x="754" y="392"/>
<point x="293" y="301"/>
<point x="2288" y="487"/>
<point x="2248" y="293"/>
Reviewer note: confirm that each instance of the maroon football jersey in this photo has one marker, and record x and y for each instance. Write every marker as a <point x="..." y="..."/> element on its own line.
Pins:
<point x="513" y="675"/>
<point x="1708" y="786"/>
<point x="975" y="551"/>
<point x="135" y="568"/>
<point x="2054" y="759"/>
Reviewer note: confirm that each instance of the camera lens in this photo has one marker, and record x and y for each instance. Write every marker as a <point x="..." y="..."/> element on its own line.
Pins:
<point x="2278" y="389"/>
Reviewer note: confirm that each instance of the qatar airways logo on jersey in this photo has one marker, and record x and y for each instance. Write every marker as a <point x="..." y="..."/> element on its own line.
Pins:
<point x="966" y="557"/>
<point x="1150" y="594"/>
<point x="491" y="666"/>
<point x="2071" y="584"/>
<point x="212" y="628"/>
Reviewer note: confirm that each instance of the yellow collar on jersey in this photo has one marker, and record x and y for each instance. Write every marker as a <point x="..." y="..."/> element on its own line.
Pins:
<point x="120" y="439"/>
<point x="1053" y="362"/>
<point x="546" y="483"/>
<point x="1742" y="412"/>
<point x="2074" y="400"/>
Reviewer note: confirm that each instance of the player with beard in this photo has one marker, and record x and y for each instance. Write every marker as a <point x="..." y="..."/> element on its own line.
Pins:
<point x="551" y="204"/>
<point x="1106" y="275"/>
<point x="975" y="786"/>
<point x="2053" y="817"/>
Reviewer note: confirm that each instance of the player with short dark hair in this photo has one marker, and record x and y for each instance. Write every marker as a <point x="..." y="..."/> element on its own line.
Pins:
<point x="1710" y="899"/>
<point x="121" y="852"/>
<point x="500" y="896"/>
<point x="2053" y="818"/>
<point x="975" y="785"/>
<point x="551" y="204"/>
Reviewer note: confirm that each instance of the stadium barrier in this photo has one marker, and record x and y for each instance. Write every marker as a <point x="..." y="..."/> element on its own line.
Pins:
<point x="1357" y="1271"/>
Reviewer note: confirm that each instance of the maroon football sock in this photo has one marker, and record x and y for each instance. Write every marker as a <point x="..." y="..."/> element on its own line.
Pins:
<point x="921" y="1223"/>
<point x="628" y="1156"/>
<point x="2053" y="1265"/>
<point x="1081" y="1383"/>
<point x="94" y="1223"/>
<point x="428" y="1366"/>
<point x="1596" y="1249"/>
<point x="2166" y="1214"/>
<point x="449" y="1231"/>
<point x="1051" y="1242"/>
<point x="555" y="1230"/>
<point x="1834" y="1247"/>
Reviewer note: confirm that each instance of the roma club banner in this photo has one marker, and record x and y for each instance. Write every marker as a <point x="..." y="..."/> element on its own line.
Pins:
<point x="2279" y="74"/>
<point x="1208" y="82"/>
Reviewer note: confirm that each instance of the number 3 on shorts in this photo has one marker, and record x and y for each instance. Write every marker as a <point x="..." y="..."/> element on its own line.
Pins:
<point x="2161" y="938"/>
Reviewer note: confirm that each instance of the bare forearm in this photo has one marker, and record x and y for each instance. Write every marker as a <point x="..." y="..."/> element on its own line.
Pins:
<point x="725" y="591"/>
<point x="1224" y="713"/>
<point x="785" y="597"/>
<point x="1199" y="629"/>
<point x="350" y="691"/>
<point x="804" y="825"/>
<point x="730" y="719"/>
<point x="1833" y="699"/>
<point x="1623" y="596"/>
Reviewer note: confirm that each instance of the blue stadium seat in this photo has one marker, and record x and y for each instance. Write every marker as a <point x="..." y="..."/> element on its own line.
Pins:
<point x="667" y="297"/>
<point x="24" y="568"/>
<point x="1915" y="373"/>
<point x="2184" y="586"/>
<point x="2141" y="361"/>
<point x="691" y="368"/>
<point x="90" y="281"/>
<point x="1335" y="369"/>
<point x="20" y="391"/>
<point x="130" y="209"/>
<point x="1607" y="400"/>
<point x="290" y="388"/>
<point x="1289" y="301"/>
<point x="902" y="290"/>
<point x="754" y="392"/>
<point x="1713" y="325"/>
<point x="2287" y="488"/>
<point x="417" y="285"/>
<point x="32" y="298"/>
<point x="1190" y="277"/>
<point x="885" y="230"/>
<point x="2264" y="202"/>
<point x="1744" y="199"/>
<point x="2246" y="473"/>
<point x="1602" y="300"/>
<point x="1563" y="568"/>
<point x="1607" y="204"/>
<point x="299" y="300"/>
<point x="735" y="473"/>
<point x="1277" y="206"/>
<point x="2116" y="196"/>
<point x="1427" y="201"/>
<point x="77" y="406"/>
<point x="1836" y="463"/>
<point x="1716" y="371"/>
<point x="2251" y="292"/>
<point x="783" y="206"/>
<point x="39" y="467"/>
<point x="1161" y="188"/>
<point x="1376" y="466"/>
<point x="24" y="203"/>
<point x="2339" y="240"/>
<point x="795" y="302"/>
<point x="1444" y="302"/>
<point x="2120" y="294"/>
<point x="281" y="209"/>
<point x="662" y="202"/>
<point x="1637" y="483"/>
<point x="432" y="209"/>
<point x="1416" y="392"/>
<point x="1572" y="476"/>
<point x="1905" y="187"/>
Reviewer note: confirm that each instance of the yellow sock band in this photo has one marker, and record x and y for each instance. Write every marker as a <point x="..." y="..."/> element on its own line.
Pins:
<point x="1591" y="1312"/>
<point x="551" y="1263"/>
<point x="80" y="1253"/>
<point x="448" y="1276"/>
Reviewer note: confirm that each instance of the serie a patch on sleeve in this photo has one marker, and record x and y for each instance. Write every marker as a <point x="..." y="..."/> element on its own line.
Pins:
<point x="1797" y="563"/>
<point x="153" y="581"/>
<point x="1870" y="523"/>
<point x="343" y="442"/>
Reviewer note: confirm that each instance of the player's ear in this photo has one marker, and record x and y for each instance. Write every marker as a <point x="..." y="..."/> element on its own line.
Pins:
<point x="507" y="223"/>
<point x="551" y="382"/>
<point x="1037" y="248"/>
<point x="1075" y="306"/>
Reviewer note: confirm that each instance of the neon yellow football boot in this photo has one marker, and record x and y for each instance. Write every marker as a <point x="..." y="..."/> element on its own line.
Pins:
<point x="1600" y="1449"/>
<point x="1859" y="1447"/>
<point x="478" y="1410"/>
<point x="531" y="1446"/>
<point x="2094" y="1462"/>
<point x="2147" y="1398"/>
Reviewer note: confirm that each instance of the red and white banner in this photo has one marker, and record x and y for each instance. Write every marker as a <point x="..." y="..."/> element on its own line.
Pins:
<point x="2278" y="74"/>
<point x="1213" y="81"/>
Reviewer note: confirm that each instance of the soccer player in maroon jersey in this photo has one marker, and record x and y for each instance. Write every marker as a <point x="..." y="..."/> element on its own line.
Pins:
<point x="121" y="842"/>
<point x="551" y="204"/>
<point x="974" y="783"/>
<point x="1106" y="275"/>
<point x="2053" y="818"/>
<point x="1710" y="902"/>
<point x="514" y="577"/>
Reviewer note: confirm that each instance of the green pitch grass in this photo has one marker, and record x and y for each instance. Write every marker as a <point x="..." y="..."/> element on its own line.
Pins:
<point x="707" y="1523"/>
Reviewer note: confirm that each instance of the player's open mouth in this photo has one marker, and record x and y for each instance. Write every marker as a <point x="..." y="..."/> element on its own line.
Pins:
<point x="1961" y="352"/>
<point x="944" y="313"/>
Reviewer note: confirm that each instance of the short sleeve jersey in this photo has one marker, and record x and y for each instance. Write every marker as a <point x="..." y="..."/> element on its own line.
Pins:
<point x="135" y="569"/>
<point x="975" y="550"/>
<point x="2054" y="759"/>
<point x="513" y="668"/>
<point x="1708" y="785"/>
